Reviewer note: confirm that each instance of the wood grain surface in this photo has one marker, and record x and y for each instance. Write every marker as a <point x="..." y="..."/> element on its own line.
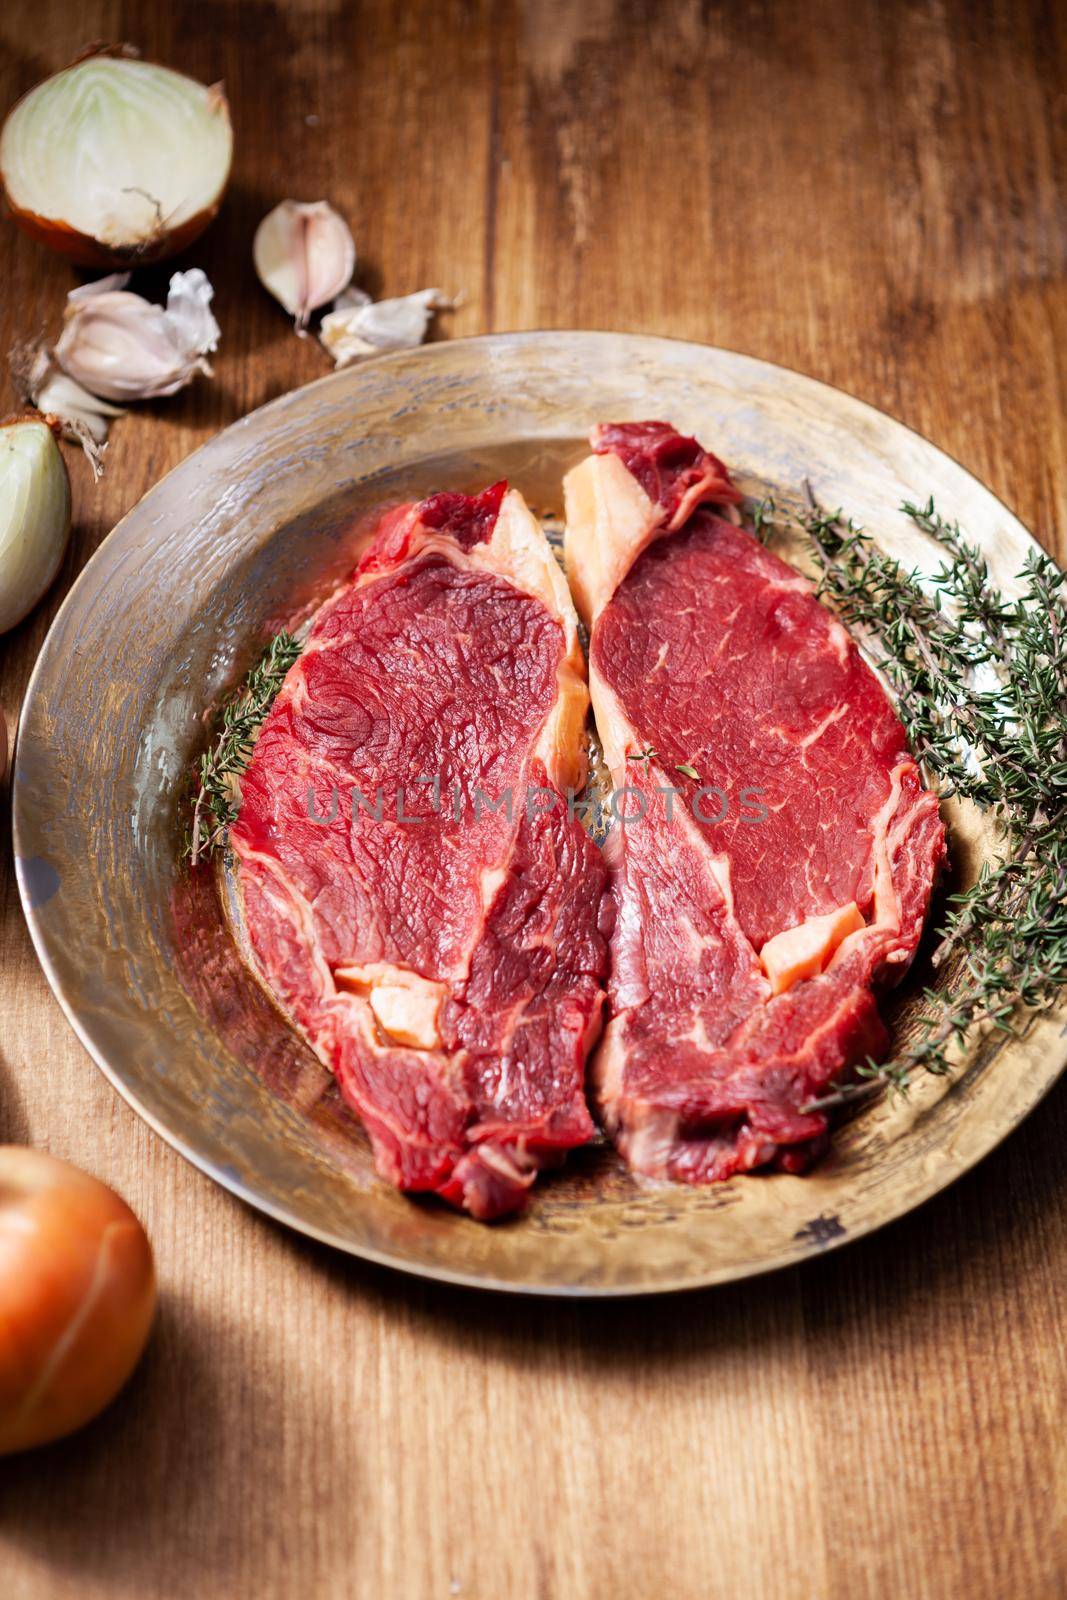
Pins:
<point x="867" y="192"/>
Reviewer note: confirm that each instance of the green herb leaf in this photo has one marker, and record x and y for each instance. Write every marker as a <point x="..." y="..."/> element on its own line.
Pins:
<point x="216" y="804"/>
<point x="763" y="519"/>
<point x="981" y="684"/>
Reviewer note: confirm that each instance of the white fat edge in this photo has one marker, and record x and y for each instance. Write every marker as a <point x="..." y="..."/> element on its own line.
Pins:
<point x="519" y="552"/>
<point x="405" y="1004"/>
<point x="649" y="1139"/>
<point x="816" y="938"/>
<point x="609" y="521"/>
<point x="886" y="918"/>
<point x="293" y="903"/>
<point x="408" y="1015"/>
<point x="608" y="1069"/>
<point x="490" y="881"/>
<point x="508" y="1161"/>
<point x="718" y="868"/>
<point x="615" y="730"/>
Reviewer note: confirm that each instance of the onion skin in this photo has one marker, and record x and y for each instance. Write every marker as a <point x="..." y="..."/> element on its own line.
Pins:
<point x="77" y="1297"/>
<point x="85" y="251"/>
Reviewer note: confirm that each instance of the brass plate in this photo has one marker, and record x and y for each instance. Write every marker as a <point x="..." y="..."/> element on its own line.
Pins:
<point x="175" y="604"/>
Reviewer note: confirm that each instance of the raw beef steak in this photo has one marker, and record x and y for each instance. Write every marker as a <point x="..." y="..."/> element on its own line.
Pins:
<point x="761" y="903"/>
<point x="418" y="898"/>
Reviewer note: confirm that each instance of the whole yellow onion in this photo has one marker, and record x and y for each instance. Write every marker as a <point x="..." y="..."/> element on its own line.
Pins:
<point x="77" y="1297"/>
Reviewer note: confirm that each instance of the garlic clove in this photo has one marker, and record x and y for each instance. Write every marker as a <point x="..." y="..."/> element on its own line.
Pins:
<point x="354" y="332"/>
<point x="83" y="417"/>
<point x="34" y="515"/>
<point x="304" y="256"/>
<point x="119" y="347"/>
<point x="59" y="396"/>
<point x="122" y="347"/>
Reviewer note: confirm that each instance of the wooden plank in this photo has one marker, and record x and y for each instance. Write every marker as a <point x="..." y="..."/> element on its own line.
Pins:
<point x="865" y="192"/>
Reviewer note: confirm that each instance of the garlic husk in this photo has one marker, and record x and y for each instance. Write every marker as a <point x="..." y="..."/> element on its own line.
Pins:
<point x="355" y="331"/>
<point x="352" y="296"/>
<point x="34" y="515"/>
<point x="87" y="291"/>
<point x="77" y="409"/>
<point x="121" y="347"/>
<point x="116" y="160"/>
<point x="83" y="417"/>
<point x="304" y="256"/>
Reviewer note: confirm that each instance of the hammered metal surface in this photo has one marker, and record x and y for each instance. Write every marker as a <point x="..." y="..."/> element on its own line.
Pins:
<point x="168" y="615"/>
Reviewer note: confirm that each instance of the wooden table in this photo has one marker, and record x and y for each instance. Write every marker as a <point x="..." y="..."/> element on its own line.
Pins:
<point x="866" y="192"/>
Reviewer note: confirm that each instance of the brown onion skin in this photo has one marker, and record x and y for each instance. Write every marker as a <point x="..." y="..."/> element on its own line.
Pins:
<point x="77" y="1297"/>
<point x="85" y="251"/>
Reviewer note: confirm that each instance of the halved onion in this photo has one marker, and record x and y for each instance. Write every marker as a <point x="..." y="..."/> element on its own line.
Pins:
<point x="34" y="514"/>
<point x="116" y="161"/>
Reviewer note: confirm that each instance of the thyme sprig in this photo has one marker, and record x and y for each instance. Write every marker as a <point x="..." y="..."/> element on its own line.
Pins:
<point x="217" y="799"/>
<point x="981" y="685"/>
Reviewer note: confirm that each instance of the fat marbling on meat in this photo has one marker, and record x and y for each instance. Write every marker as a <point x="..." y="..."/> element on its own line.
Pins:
<point x="418" y="898"/>
<point x="761" y="905"/>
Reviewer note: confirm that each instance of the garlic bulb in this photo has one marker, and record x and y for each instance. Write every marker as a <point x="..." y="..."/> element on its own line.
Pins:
<point x="354" y="331"/>
<point x="304" y="255"/>
<point x="34" y="515"/>
<point x="122" y="347"/>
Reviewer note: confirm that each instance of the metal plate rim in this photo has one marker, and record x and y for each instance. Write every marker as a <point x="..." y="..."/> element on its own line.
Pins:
<point x="286" y="1216"/>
